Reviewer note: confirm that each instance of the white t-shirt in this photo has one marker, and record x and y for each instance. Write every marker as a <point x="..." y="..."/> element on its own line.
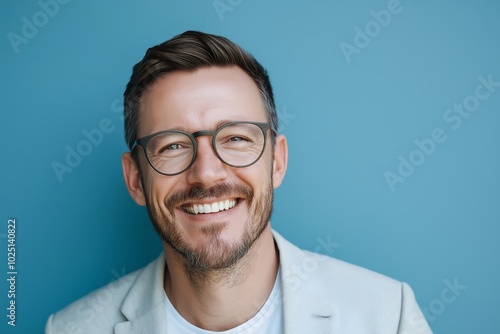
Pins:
<point x="268" y="320"/>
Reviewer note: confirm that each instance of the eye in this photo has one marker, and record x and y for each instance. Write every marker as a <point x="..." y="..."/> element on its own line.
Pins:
<point x="170" y="147"/>
<point x="237" y="139"/>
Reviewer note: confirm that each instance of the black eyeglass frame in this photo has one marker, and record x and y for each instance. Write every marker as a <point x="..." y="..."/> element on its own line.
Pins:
<point x="143" y="142"/>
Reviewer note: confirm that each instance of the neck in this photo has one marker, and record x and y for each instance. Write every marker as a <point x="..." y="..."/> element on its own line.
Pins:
<point x="225" y="298"/>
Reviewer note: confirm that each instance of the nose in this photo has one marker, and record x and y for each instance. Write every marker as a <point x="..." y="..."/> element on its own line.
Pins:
<point x="207" y="169"/>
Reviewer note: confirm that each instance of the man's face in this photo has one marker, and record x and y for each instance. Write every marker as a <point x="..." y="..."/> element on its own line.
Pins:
<point x="204" y="100"/>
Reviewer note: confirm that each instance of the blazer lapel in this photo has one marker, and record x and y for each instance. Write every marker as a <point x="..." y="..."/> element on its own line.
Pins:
<point x="144" y="306"/>
<point x="303" y="311"/>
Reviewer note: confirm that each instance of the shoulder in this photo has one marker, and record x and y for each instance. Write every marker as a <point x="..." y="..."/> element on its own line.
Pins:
<point x="314" y="263"/>
<point x="358" y="295"/>
<point x="99" y="311"/>
<point x="334" y="279"/>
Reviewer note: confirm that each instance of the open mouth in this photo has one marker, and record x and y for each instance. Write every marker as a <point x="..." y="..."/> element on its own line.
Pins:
<point x="214" y="207"/>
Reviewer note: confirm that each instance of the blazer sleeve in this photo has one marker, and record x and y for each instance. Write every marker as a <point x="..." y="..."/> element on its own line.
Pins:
<point x="412" y="321"/>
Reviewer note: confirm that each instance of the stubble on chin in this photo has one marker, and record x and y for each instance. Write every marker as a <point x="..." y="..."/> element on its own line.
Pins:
<point x="215" y="261"/>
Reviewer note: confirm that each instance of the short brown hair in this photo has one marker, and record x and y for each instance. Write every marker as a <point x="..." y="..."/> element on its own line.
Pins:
<point x="190" y="51"/>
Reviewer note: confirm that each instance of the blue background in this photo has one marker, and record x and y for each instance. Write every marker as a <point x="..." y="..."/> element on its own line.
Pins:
<point x="347" y="123"/>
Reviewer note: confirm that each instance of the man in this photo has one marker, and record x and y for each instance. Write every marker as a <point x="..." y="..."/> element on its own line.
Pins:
<point x="204" y="159"/>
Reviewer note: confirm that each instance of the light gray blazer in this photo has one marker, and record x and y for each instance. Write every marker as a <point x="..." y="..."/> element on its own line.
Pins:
<point x="320" y="295"/>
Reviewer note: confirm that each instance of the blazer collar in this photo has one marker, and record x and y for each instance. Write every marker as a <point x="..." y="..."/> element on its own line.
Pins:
<point x="303" y="311"/>
<point x="144" y="305"/>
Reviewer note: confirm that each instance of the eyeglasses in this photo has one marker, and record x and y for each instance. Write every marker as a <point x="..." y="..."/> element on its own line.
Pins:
<point x="237" y="144"/>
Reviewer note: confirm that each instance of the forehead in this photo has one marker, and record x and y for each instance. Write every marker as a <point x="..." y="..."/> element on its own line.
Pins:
<point x="202" y="99"/>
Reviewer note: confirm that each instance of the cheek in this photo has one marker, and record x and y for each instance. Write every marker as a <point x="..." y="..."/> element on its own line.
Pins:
<point x="266" y="165"/>
<point x="157" y="188"/>
<point x="257" y="176"/>
<point x="148" y="183"/>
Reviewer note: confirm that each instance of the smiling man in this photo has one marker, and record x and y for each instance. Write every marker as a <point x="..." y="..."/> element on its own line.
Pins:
<point x="205" y="158"/>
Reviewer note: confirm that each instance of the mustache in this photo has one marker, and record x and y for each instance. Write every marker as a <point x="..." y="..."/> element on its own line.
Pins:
<point x="199" y="193"/>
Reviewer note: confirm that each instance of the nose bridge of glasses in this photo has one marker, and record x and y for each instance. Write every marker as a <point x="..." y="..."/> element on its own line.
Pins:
<point x="204" y="133"/>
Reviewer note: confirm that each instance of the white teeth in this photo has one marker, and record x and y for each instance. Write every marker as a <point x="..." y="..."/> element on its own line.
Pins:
<point x="210" y="208"/>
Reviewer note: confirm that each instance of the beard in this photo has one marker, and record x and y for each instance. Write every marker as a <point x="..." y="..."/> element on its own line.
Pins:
<point x="216" y="255"/>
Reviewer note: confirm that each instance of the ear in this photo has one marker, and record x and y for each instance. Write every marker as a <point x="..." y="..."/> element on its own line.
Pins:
<point x="280" y="160"/>
<point x="133" y="179"/>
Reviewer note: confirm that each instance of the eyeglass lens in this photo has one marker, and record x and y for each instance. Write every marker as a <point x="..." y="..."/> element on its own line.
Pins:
<point x="238" y="145"/>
